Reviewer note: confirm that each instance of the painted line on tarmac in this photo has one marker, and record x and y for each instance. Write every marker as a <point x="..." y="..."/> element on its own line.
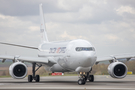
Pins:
<point x="73" y="88"/>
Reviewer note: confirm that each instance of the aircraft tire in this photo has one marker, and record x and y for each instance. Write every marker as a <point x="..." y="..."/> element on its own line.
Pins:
<point x="81" y="81"/>
<point x="30" y="78"/>
<point x="91" y="78"/>
<point x="37" y="78"/>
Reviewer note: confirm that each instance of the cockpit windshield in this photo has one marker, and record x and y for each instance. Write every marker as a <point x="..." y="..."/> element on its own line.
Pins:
<point x="85" y="49"/>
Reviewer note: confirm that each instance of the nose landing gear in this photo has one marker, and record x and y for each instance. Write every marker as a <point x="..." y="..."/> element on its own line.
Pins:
<point x="84" y="77"/>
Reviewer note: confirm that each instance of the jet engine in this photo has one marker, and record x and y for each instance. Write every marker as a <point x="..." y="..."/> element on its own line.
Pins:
<point x="117" y="70"/>
<point x="18" y="70"/>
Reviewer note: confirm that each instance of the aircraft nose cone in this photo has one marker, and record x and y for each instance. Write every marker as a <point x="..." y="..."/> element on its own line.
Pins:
<point x="88" y="60"/>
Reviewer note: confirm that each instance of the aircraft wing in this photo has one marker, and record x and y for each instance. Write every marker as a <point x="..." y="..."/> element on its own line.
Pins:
<point x="27" y="59"/>
<point x="115" y="57"/>
<point x="24" y="46"/>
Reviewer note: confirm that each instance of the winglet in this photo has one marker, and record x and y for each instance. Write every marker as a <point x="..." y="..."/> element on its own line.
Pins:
<point x="44" y="37"/>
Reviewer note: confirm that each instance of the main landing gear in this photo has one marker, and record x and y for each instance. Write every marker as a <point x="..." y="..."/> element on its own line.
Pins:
<point x="84" y="77"/>
<point x="33" y="77"/>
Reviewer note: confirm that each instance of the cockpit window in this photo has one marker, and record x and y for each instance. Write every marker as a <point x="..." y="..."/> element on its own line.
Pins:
<point x="85" y="49"/>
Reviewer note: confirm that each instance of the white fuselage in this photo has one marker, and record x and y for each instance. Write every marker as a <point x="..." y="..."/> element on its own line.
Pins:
<point x="76" y="55"/>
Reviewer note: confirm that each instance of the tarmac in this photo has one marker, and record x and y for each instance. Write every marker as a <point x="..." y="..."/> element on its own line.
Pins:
<point x="102" y="82"/>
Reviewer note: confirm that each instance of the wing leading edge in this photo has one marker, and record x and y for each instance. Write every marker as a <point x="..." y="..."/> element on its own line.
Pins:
<point x="115" y="57"/>
<point x="24" y="59"/>
<point x="31" y="47"/>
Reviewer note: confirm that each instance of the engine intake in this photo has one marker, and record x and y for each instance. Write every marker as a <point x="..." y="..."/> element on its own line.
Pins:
<point x="18" y="70"/>
<point x="117" y="70"/>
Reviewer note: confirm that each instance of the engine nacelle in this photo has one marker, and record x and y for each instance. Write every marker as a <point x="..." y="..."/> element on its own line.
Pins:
<point x="18" y="70"/>
<point x="117" y="70"/>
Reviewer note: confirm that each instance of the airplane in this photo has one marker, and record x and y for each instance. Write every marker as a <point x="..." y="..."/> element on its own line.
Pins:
<point x="64" y="56"/>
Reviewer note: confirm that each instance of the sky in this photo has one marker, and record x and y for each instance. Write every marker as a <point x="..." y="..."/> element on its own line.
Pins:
<point x="108" y="24"/>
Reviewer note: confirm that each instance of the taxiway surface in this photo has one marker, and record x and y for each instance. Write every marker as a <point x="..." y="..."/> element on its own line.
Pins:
<point x="70" y="82"/>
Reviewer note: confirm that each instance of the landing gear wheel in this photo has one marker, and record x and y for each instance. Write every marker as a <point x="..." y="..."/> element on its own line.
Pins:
<point x="37" y="79"/>
<point x="91" y="78"/>
<point x="84" y="81"/>
<point x="30" y="78"/>
<point x="81" y="81"/>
